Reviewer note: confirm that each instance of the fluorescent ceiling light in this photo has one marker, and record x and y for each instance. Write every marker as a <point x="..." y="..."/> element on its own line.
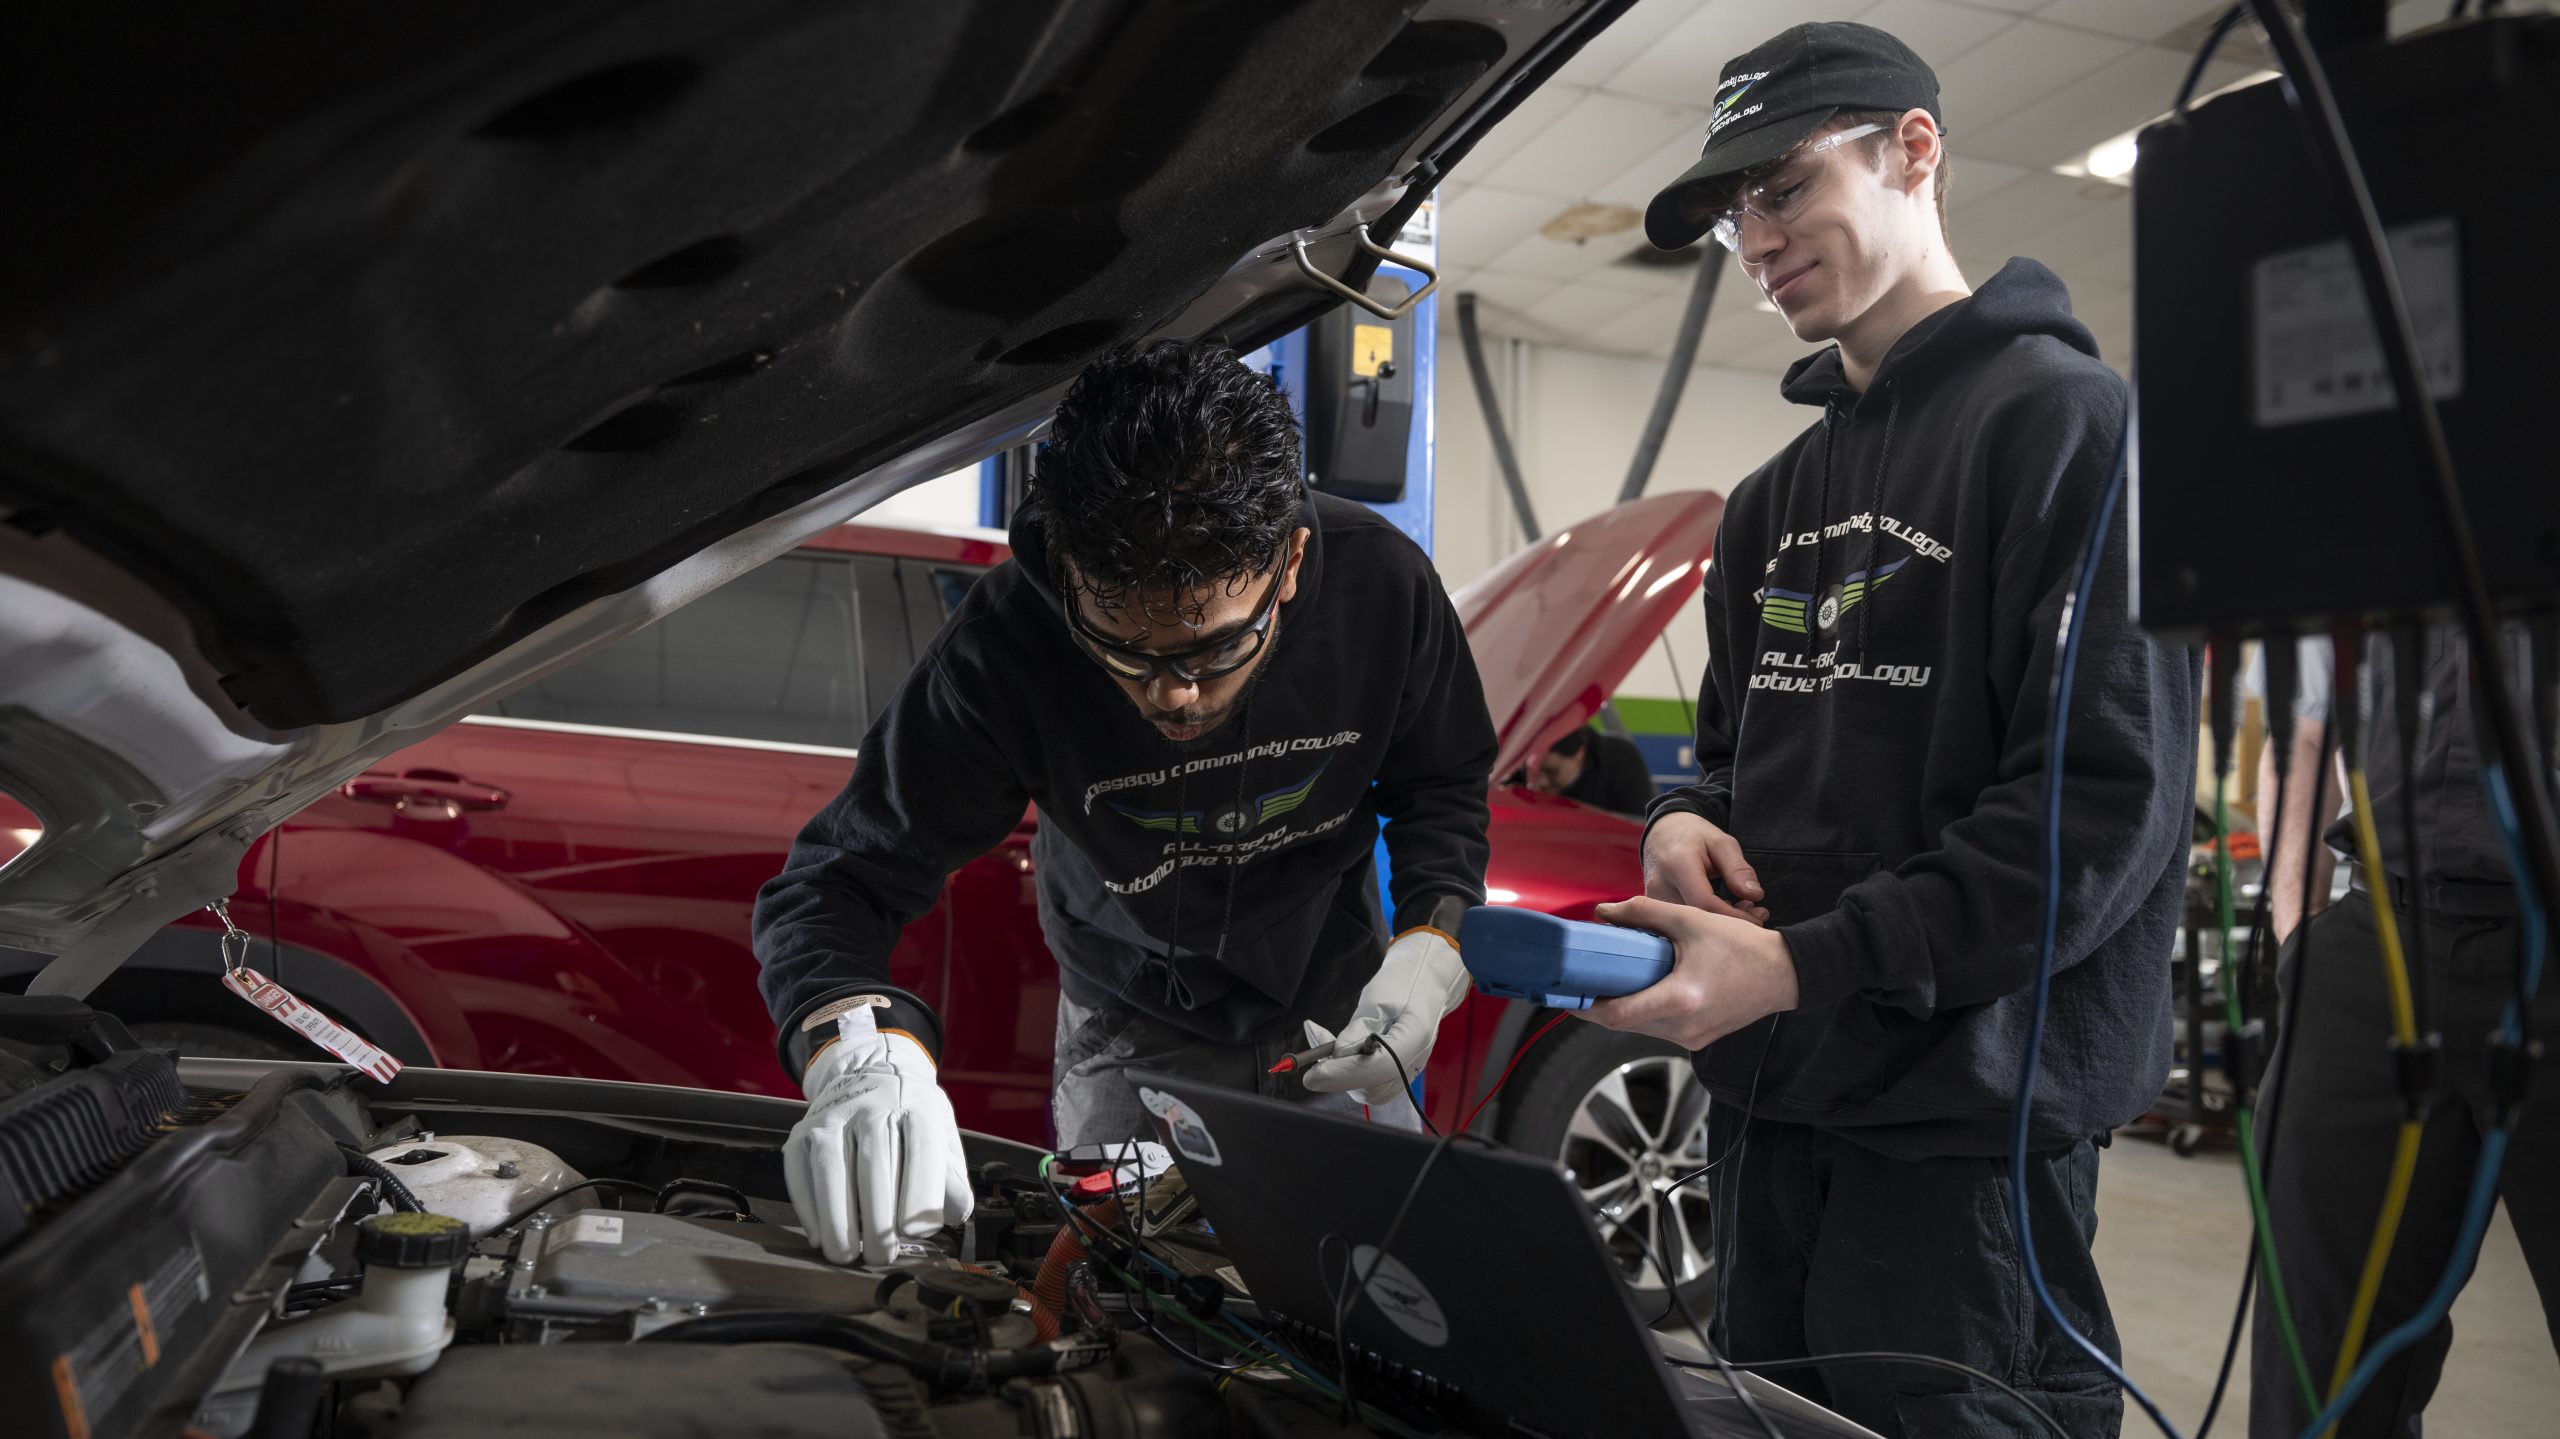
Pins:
<point x="2111" y="159"/>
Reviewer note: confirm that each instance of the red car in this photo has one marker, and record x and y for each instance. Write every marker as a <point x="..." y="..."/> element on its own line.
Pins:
<point x="562" y="885"/>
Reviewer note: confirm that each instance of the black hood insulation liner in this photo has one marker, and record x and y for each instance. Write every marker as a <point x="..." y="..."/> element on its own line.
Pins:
<point x="379" y="337"/>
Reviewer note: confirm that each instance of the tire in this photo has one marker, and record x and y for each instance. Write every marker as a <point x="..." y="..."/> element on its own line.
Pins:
<point x="199" y="1040"/>
<point x="1625" y="1115"/>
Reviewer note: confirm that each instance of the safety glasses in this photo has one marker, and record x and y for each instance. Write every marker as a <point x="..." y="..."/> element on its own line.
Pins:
<point x="1191" y="666"/>
<point x="1779" y="191"/>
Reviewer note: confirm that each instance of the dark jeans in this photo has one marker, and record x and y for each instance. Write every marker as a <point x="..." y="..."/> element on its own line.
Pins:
<point x="1824" y="1246"/>
<point x="2335" y="1125"/>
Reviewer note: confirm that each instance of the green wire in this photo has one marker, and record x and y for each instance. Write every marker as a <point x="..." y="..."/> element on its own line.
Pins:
<point x="1375" y="1418"/>
<point x="2247" y="1117"/>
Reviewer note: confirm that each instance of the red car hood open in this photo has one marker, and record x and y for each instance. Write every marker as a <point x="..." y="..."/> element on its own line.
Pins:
<point x="1558" y="625"/>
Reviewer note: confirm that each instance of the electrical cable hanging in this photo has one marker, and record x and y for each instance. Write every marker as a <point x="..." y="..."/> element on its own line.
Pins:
<point x="1675" y="375"/>
<point x="2510" y="1072"/>
<point x="2280" y="685"/>
<point x="1472" y="343"/>
<point x="2235" y="1028"/>
<point x="2527" y="829"/>
<point x="2404" y="1027"/>
<point x="1689" y="1316"/>
<point x="2315" y="111"/>
<point x="2058" y="702"/>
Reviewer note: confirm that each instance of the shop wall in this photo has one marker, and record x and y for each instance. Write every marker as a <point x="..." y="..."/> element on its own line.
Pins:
<point x="1574" y="416"/>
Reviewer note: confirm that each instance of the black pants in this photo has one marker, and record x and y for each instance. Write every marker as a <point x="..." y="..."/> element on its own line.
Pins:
<point x="1824" y="1246"/>
<point x="2335" y="1126"/>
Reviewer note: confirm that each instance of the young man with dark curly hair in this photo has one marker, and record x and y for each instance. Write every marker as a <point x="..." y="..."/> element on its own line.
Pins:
<point x="1215" y="685"/>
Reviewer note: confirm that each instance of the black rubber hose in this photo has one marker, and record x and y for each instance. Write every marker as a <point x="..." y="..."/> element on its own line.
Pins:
<point x="1675" y="378"/>
<point x="1473" y="343"/>
<point x="942" y="1364"/>
<point x="374" y="1169"/>
<point x="289" y="1400"/>
<point x="627" y="1186"/>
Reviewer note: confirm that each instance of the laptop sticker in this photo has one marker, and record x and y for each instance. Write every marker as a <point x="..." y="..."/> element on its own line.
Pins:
<point x="1191" y="1138"/>
<point x="1399" y="1295"/>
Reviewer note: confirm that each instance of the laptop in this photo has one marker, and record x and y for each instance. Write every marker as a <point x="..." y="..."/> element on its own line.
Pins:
<point x="1498" y="1306"/>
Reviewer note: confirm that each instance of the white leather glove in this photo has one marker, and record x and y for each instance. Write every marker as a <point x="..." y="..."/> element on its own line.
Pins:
<point x="878" y="1153"/>
<point x="1416" y="986"/>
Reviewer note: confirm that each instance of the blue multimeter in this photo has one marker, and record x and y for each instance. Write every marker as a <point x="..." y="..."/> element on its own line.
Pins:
<point x="1560" y="963"/>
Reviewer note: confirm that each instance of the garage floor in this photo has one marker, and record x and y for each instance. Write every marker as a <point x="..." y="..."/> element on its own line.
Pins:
<point x="2171" y="1233"/>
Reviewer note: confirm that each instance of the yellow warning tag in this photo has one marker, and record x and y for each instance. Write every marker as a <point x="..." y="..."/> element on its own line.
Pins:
<point x="1373" y="349"/>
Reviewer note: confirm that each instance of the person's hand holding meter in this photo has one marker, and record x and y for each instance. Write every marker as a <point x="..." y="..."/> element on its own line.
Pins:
<point x="1729" y="973"/>
<point x="878" y="1154"/>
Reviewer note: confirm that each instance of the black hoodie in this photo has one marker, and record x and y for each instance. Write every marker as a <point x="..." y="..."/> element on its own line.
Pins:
<point x="1366" y="707"/>
<point x="1883" y="618"/>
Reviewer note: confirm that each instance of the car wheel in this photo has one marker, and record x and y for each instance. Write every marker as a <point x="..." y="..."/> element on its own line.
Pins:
<point x="1626" y="1116"/>
<point x="199" y="1040"/>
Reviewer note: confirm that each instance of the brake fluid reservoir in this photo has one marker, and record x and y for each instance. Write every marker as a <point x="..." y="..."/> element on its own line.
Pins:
<point x="478" y="1179"/>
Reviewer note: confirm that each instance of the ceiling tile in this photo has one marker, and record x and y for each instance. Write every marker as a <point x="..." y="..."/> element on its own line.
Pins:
<point x="1644" y="279"/>
<point x="1644" y="330"/>
<point x="1561" y="259"/>
<point x="2099" y="106"/>
<point x="2008" y="7"/>
<point x="2100" y="227"/>
<point x="1682" y="65"/>
<point x="2003" y="220"/>
<point x="1638" y="183"/>
<point x="1578" y="309"/>
<point x="1940" y="32"/>
<point x="2131" y="19"/>
<point x="1974" y="176"/>
<point x="2014" y="69"/>
<point x="2093" y="269"/>
<point x="1486" y="221"/>
<point x="1519" y="127"/>
<point x="1628" y="36"/>
<point x="1650" y="330"/>
<point x="1593" y="142"/>
<point x="1502" y="297"/>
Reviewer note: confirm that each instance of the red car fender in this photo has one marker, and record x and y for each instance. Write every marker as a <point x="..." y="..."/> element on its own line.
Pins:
<point x="495" y="979"/>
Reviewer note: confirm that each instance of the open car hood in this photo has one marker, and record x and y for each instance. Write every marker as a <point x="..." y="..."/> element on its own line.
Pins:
<point x="370" y="361"/>
<point x="1557" y="626"/>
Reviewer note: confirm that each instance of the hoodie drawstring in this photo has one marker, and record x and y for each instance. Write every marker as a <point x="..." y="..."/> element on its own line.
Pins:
<point x="1821" y="516"/>
<point x="1875" y="510"/>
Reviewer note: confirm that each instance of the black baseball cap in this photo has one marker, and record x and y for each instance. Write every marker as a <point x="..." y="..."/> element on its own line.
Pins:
<point x="1769" y="100"/>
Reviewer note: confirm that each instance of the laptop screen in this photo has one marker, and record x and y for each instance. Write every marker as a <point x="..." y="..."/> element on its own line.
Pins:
<point x="1496" y="1286"/>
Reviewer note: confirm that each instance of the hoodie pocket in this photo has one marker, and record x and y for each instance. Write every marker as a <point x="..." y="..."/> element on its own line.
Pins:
<point x="1835" y="1059"/>
<point x="1797" y="884"/>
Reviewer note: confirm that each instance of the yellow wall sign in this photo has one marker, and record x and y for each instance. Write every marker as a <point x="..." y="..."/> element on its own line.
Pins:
<point x="1373" y="350"/>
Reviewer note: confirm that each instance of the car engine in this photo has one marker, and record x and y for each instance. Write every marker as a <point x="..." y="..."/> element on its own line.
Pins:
<point x="254" y="1250"/>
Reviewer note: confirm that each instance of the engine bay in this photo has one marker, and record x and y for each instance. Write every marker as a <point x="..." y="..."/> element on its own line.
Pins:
<point x="253" y="1250"/>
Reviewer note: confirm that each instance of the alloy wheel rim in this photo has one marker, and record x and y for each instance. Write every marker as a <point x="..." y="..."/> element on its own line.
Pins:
<point x="1639" y="1128"/>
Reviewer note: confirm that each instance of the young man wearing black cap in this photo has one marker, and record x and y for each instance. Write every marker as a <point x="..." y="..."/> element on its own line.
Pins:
<point x="1856" y="883"/>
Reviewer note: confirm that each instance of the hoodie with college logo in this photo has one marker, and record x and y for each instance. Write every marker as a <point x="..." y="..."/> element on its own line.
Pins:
<point x="1883" y="616"/>
<point x="1224" y="885"/>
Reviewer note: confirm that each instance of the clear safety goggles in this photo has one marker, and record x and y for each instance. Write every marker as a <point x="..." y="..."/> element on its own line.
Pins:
<point x="1777" y="192"/>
